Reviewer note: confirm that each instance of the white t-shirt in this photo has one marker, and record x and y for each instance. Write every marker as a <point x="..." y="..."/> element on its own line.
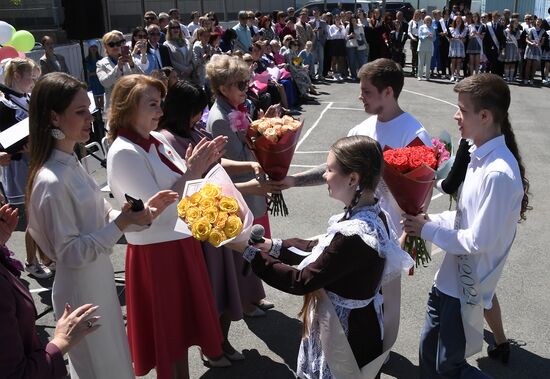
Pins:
<point x="395" y="133"/>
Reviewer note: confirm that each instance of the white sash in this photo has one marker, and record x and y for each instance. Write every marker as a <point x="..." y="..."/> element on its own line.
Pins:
<point x="471" y="295"/>
<point x="493" y="36"/>
<point x="335" y="345"/>
<point x="537" y="35"/>
<point x="443" y="26"/>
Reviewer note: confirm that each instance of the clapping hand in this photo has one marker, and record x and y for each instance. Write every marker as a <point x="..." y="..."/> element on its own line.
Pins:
<point x="5" y="158"/>
<point x="204" y="155"/>
<point x="8" y="222"/>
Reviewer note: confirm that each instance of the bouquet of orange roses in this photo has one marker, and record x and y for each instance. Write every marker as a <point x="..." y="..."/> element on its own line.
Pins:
<point x="214" y="210"/>
<point x="273" y="141"/>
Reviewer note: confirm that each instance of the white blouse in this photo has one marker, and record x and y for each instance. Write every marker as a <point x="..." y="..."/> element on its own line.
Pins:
<point x="68" y="216"/>
<point x="141" y="174"/>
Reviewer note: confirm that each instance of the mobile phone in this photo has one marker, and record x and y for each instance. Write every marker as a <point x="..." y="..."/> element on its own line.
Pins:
<point x="136" y="205"/>
<point x="125" y="50"/>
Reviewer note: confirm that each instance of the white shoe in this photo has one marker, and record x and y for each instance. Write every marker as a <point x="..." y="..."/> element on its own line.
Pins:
<point x="419" y="78"/>
<point x="38" y="270"/>
<point x="51" y="266"/>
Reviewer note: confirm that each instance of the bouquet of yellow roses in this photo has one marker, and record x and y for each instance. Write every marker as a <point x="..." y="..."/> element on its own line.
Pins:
<point x="214" y="210"/>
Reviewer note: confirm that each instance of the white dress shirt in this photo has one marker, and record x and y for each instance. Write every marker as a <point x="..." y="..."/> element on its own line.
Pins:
<point x="489" y="204"/>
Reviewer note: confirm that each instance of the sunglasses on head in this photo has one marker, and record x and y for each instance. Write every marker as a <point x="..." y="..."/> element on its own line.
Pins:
<point x="242" y="85"/>
<point x="116" y="44"/>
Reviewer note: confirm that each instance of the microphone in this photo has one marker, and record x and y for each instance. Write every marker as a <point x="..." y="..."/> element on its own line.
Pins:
<point x="256" y="236"/>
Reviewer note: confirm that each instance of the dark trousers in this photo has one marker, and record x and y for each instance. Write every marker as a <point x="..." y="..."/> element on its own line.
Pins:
<point x="414" y="52"/>
<point x="442" y="343"/>
<point x="444" y="56"/>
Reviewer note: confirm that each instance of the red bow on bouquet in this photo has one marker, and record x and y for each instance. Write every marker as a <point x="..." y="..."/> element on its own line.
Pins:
<point x="273" y="141"/>
<point x="409" y="174"/>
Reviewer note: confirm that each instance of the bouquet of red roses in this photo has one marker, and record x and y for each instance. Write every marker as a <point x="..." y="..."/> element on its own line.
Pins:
<point x="409" y="174"/>
<point x="273" y="141"/>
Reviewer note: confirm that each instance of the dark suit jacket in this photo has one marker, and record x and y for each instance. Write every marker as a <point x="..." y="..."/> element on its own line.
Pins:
<point x="22" y="355"/>
<point x="489" y="47"/>
<point x="47" y="66"/>
<point x="322" y="33"/>
<point x="164" y="55"/>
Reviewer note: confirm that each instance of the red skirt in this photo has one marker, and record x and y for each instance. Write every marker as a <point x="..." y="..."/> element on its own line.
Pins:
<point x="169" y="305"/>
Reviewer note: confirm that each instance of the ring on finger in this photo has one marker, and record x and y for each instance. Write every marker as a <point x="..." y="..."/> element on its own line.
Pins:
<point x="89" y="324"/>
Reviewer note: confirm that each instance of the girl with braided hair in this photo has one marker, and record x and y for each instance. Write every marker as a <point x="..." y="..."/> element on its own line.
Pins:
<point x="342" y="277"/>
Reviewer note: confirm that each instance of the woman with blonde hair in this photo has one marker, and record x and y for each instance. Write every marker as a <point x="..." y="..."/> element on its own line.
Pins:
<point x="180" y="51"/>
<point x="202" y="52"/>
<point x="20" y="75"/>
<point x="229" y="79"/>
<point x="114" y="65"/>
<point x="169" y="301"/>
<point x="74" y="225"/>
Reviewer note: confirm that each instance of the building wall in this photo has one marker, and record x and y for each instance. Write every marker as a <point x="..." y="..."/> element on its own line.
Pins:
<point x="523" y="6"/>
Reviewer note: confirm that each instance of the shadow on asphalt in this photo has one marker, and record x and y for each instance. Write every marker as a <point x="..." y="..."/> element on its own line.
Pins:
<point x="282" y="335"/>
<point x="400" y="367"/>
<point x="254" y="366"/>
<point x="522" y="363"/>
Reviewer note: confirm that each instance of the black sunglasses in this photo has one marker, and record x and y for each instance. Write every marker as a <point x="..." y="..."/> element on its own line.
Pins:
<point x="242" y="85"/>
<point x="175" y="28"/>
<point x="154" y="34"/>
<point x="149" y="18"/>
<point x="141" y="36"/>
<point x="116" y="44"/>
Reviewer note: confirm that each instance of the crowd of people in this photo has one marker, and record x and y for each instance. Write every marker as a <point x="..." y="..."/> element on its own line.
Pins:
<point x="170" y="96"/>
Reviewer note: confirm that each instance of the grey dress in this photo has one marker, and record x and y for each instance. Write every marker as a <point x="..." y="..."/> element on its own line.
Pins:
<point x="236" y="149"/>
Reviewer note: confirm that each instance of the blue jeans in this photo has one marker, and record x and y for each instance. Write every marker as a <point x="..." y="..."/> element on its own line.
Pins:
<point x="442" y="343"/>
<point x="319" y="53"/>
<point x="435" y="64"/>
<point x="356" y="59"/>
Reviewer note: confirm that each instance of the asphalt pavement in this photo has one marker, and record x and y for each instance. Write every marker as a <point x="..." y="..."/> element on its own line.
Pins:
<point x="270" y="344"/>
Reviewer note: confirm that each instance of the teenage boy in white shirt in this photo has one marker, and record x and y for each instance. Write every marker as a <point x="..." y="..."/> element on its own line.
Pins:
<point x="381" y="82"/>
<point x="477" y="237"/>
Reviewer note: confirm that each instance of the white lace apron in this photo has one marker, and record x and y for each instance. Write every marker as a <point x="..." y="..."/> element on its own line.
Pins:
<point x="325" y="353"/>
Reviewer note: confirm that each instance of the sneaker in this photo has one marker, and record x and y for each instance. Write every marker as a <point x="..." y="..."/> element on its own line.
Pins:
<point x="51" y="266"/>
<point x="38" y="270"/>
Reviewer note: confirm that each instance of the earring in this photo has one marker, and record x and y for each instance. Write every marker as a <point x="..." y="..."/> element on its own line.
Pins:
<point x="57" y="133"/>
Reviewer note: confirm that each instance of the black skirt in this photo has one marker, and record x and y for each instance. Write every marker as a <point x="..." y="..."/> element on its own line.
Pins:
<point x="338" y="47"/>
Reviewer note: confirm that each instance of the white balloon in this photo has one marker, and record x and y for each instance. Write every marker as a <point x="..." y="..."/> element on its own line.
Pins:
<point x="6" y="32"/>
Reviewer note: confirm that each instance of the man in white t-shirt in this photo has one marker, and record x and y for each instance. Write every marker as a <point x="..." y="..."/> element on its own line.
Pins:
<point x="381" y="83"/>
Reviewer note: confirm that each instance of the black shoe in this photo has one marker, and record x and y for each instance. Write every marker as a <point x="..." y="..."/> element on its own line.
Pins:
<point x="290" y="112"/>
<point x="500" y="352"/>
